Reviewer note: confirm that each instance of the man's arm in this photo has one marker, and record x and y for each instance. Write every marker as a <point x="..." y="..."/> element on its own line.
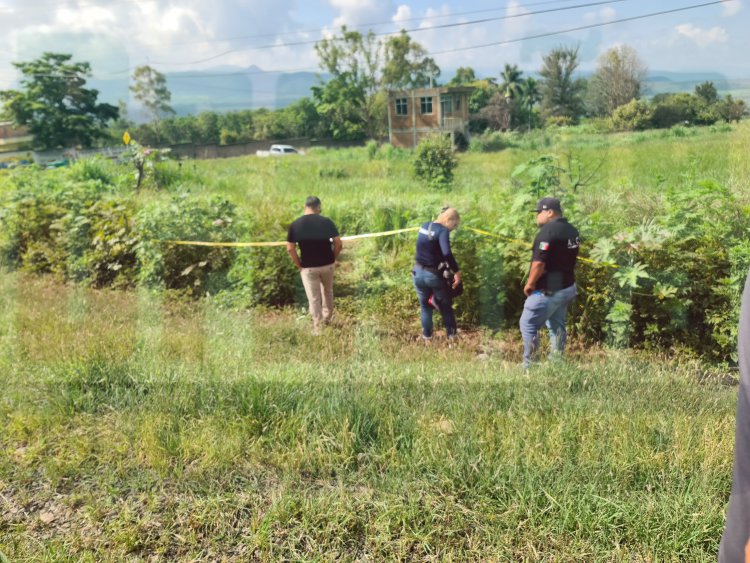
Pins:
<point x="536" y="272"/>
<point x="291" y="248"/>
<point x="337" y="246"/>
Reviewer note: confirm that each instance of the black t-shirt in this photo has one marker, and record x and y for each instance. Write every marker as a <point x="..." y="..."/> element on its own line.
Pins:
<point x="556" y="245"/>
<point x="313" y="233"/>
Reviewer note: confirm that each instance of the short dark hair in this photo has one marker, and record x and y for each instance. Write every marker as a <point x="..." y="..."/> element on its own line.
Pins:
<point x="313" y="202"/>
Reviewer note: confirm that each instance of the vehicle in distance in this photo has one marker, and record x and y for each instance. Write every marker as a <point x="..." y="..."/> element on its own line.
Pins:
<point x="279" y="150"/>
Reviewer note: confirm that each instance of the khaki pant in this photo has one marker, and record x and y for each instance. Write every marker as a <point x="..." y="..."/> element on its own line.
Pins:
<point x="318" y="284"/>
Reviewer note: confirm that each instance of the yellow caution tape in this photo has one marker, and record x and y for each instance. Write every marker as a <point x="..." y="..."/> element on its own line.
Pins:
<point x="234" y="244"/>
<point x="365" y="235"/>
<point x="382" y="234"/>
<point x="283" y="243"/>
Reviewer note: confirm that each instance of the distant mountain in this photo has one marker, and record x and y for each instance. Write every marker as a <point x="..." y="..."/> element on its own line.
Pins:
<point x="218" y="89"/>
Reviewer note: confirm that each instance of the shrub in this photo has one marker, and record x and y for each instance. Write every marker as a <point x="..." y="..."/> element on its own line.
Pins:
<point x="111" y="258"/>
<point x="634" y="116"/>
<point x="434" y="161"/>
<point x="193" y="269"/>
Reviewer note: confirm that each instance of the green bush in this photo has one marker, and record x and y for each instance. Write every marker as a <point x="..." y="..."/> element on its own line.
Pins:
<point x="434" y="161"/>
<point x="111" y="258"/>
<point x="193" y="269"/>
<point x="634" y="116"/>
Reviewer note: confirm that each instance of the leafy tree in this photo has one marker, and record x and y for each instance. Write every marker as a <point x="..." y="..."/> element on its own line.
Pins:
<point x="150" y="89"/>
<point x="464" y="75"/>
<point x="479" y="98"/>
<point x="55" y="105"/>
<point x="348" y="100"/>
<point x="497" y="113"/>
<point x="406" y="64"/>
<point x="730" y="109"/>
<point x="707" y="92"/>
<point x="562" y="93"/>
<point x="619" y="78"/>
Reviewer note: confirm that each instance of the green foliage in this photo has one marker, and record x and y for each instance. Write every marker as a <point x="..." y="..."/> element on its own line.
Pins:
<point x="55" y="105"/>
<point x="636" y="115"/>
<point x="149" y="87"/>
<point x="562" y="93"/>
<point x="192" y="269"/>
<point x="111" y="257"/>
<point x="145" y="160"/>
<point x="434" y="161"/>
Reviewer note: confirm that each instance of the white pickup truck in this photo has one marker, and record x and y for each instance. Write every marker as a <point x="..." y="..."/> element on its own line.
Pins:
<point x="279" y="150"/>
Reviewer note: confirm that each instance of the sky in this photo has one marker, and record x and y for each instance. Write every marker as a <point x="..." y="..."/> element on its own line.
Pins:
<point x="115" y="36"/>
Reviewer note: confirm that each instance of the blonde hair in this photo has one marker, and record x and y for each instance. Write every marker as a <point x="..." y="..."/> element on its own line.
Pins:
<point x="449" y="218"/>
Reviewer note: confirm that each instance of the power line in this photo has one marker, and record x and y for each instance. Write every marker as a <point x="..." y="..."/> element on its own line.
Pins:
<point x="548" y="34"/>
<point x="390" y="33"/>
<point x="458" y="49"/>
<point x="366" y="25"/>
<point x="582" y="27"/>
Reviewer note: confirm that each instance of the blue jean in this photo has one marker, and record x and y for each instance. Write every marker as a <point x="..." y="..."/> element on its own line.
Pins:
<point x="540" y="309"/>
<point x="428" y="283"/>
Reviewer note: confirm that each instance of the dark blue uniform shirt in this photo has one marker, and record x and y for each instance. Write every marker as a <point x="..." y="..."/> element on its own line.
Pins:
<point x="435" y="247"/>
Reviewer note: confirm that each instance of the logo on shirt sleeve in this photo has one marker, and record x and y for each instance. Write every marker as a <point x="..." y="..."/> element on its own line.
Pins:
<point x="543" y="246"/>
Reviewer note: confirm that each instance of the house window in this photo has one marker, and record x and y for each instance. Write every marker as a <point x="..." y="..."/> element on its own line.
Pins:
<point x="425" y="105"/>
<point x="401" y="106"/>
<point x="457" y="103"/>
<point x="446" y="104"/>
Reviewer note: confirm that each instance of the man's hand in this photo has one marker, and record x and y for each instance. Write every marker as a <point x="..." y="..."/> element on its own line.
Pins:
<point x="528" y="289"/>
<point x="456" y="280"/>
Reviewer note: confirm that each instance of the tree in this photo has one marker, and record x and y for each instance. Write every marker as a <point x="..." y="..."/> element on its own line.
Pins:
<point x="349" y="99"/>
<point x="730" y="109"/>
<point x="707" y="92"/>
<point x="529" y="96"/>
<point x="618" y="79"/>
<point x="406" y="64"/>
<point x="464" y="75"/>
<point x="511" y="80"/>
<point x="55" y="105"/>
<point x="562" y="94"/>
<point x="497" y="112"/>
<point x="150" y="89"/>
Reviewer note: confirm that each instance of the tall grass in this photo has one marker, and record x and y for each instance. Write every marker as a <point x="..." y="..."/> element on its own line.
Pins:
<point x="138" y="428"/>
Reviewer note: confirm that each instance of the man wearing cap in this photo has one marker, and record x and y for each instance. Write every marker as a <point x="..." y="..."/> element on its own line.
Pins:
<point x="551" y="285"/>
<point x="320" y="245"/>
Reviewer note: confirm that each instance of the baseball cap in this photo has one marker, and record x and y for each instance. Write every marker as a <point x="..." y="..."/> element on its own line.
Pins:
<point x="548" y="203"/>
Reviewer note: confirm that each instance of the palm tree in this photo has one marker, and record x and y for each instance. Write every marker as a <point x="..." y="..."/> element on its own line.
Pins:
<point x="530" y="95"/>
<point x="511" y="77"/>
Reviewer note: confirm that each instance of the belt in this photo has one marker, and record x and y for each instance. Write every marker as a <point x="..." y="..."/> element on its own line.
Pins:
<point x="418" y="266"/>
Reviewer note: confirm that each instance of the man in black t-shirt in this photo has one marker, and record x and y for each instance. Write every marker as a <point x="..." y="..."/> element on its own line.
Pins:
<point x="551" y="285"/>
<point x="320" y="244"/>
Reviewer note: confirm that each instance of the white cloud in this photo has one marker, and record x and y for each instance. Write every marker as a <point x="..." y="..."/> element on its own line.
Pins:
<point x="732" y="8"/>
<point x="403" y="13"/>
<point x="703" y="37"/>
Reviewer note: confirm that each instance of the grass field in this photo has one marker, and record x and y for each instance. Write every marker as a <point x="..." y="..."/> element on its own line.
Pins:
<point x="137" y="429"/>
<point x="135" y="426"/>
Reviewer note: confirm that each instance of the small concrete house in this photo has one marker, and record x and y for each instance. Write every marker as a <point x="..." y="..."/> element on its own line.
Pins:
<point x="415" y="114"/>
